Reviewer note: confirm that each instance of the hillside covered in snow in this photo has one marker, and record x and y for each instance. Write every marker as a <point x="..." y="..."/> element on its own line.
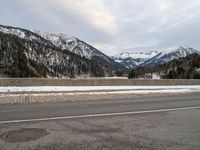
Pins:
<point x="182" y="68"/>
<point x="24" y="53"/>
<point x="132" y="60"/>
<point x="153" y="58"/>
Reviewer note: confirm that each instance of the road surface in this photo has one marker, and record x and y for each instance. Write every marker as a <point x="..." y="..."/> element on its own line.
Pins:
<point x="160" y="122"/>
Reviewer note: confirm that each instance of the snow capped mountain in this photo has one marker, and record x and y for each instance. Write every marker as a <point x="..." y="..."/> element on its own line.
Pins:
<point x="142" y="55"/>
<point x="132" y="60"/>
<point x="73" y="46"/>
<point x="14" y="31"/>
<point x="182" y="68"/>
<point x="53" y="55"/>
<point x="80" y="48"/>
<point x="66" y="42"/>
<point x="63" y="42"/>
<point x="169" y="54"/>
<point x="24" y="34"/>
<point x="153" y="58"/>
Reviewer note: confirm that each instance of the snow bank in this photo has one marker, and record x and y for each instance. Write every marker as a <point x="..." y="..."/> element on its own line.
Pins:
<point x="110" y="89"/>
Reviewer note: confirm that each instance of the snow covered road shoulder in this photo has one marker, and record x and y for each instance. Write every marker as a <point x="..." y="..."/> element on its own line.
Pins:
<point x="46" y="94"/>
<point x="102" y="89"/>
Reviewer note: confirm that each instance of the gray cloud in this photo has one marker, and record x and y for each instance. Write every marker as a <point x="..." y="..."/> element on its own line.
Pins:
<point x="111" y="26"/>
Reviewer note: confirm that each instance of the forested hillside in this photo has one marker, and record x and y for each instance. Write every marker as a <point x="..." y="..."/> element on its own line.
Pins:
<point x="29" y="58"/>
<point x="183" y="68"/>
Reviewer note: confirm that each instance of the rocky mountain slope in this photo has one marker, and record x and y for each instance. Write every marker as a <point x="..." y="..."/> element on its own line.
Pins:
<point x="132" y="60"/>
<point x="182" y="68"/>
<point x="168" y="55"/>
<point x="26" y="54"/>
<point x="153" y="58"/>
<point x="80" y="48"/>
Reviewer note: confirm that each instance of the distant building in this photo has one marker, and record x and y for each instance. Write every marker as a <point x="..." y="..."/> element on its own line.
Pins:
<point x="152" y="76"/>
<point x="197" y="70"/>
<point x="155" y="76"/>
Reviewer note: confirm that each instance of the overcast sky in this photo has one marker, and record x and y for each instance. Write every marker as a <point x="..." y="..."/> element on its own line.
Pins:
<point x="111" y="25"/>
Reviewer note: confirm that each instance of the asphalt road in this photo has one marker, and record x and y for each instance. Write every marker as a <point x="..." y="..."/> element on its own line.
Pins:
<point x="160" y="122"/>
<point x="50" y="110"/>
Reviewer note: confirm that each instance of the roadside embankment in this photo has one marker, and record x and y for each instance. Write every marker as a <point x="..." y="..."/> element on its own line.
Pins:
<point x="93" y="82"/>
<point x="43" y="94"/>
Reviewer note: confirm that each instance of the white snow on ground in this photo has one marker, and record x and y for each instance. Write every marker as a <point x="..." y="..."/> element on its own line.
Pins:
<point x="103" y="89"/>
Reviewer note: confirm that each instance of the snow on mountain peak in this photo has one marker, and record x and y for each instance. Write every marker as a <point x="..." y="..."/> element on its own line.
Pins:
<point x="67" y="42"/>
<point x="136" y="55"/>
<point x="128" y="60"/>
<point x="59" y="40"/>
<point x="170" y="54"/>
<point x="63" y="42"/>
<point x="151" y="58"/>
<point x="176" y="48"/>
<point x="73" y="44"/>
<point x="23" y="34"/>
<point x="132" y="60"/>
<point x="13" y="31"/>
<point x="55" y="35"/>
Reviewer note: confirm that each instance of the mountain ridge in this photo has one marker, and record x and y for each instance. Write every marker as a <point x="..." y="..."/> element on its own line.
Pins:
<point x="79" y="47"/>
<point x="169" y="55"/>
<point x="26" y="54"/>
<point x="132" y="60"/>
<point x="75" y="46"/>
<point x="153" y="58"/>
<point x="184" y="68"/>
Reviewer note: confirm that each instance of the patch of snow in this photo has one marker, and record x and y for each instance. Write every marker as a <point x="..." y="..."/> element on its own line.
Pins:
<point x="169" y="55"/>
<point x="67" y="42"/>
<point x="13" y="31"/>
<point x="140" y="55"/>
<point x="197" y="70"/>
<point x="126" y="89"/>
<point x="152" y="58"/>
<point x="155" y="76"/>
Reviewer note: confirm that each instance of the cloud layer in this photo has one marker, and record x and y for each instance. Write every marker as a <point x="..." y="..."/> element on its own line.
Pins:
<point x="111" y="26"/>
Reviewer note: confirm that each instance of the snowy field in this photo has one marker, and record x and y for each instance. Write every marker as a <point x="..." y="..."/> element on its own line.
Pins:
<point x="102" y="89"/>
